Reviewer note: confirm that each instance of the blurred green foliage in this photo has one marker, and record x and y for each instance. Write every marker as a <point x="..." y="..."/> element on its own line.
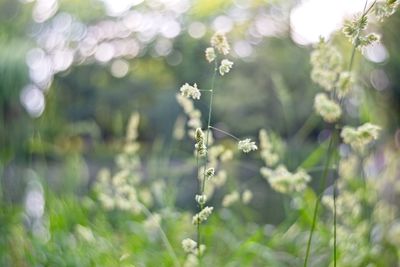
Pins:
<point x="83" y="128"/>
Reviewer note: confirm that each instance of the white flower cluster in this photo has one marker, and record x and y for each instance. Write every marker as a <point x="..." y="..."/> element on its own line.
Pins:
<point x="326" y="64"/>
<point x="210" y="173"/>
<point x="247" y="145"/>
<point x="347" y="168"/>
<point x="179" y="128"/>
<point x="385" y="8"/>
<point x="200" y="146"/>
<point x="202" y="215"/>
<point x="327" y="71"/>
<point x="328" y="109"/>
<point x="210" y="54"/>
<point x="267" y="150"/>
<point x="219" y="153"/>
<point x="193" y="114"/>
<point x="128" y="159"/>
<point x="352" y="243"/>
<point x="225" y="66"/>
<point x="344" y="84"/>
<point x="348" y="205"/>
<point x="118" y="191"/>
<point x="230" y="198"/>
<point x="247" y="196"/>
<point x="201" y="199"/>
<point x="353" y="29"/>
<point x="219" y="42"/>
<point x="190" y="91"/>
<point x="283" y="181"/>
<point x="352" y="201"/>
<point x="359" y="138"/>
<point x="190" y="246"/>
<point x="279" y="178"/>
<point x="234" y="197"/>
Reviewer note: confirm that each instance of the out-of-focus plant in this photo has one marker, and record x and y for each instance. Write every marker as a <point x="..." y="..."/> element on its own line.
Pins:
<point x="126" y="191"/>
<point x="338" y="82"/>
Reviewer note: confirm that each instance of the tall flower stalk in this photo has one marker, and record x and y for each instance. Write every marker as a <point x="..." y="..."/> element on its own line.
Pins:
<point x="205" y="156"/>
<point x="328" y="74"/>
<point x="202" y="182"/>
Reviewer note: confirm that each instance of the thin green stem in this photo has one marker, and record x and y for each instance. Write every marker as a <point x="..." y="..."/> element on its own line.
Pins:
<point x="224" y="132"/>
<point x="209" y="123"/>
<point x="334" y="225"/>
<point x="369" y="9"/>
<point x="353" y="52"/>
<point x="164" y="237"/>
<point x="200" y="208"/>
<point x="203" y="182"/>
<point x="321" y="187"/>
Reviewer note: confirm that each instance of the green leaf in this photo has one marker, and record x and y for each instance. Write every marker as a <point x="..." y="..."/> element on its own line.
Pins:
<point x="315" y="157"/>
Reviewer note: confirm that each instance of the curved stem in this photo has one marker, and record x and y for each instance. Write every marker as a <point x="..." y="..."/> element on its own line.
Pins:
<point x="164" y="237"/>
<point x="200" y="208"/>
<point x="224" y="132"/>
<point x="321" y="187"/>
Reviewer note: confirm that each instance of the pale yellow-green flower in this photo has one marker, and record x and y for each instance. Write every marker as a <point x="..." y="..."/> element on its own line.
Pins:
<point x="247" y="145"/>
<point x="190" y="91"/>
<point x="202" y="215"/>
<point x="210" y="172"/>
<point x="230" y="198"/>
<point x="329" y="110"/>
<point x="201" y="199"/>
<point x="219" y="41"/>
<point x="359" y="138"/>
<point x="189" y="245"/>
<point x="225" y="66"/>
<point x="283" y="181"/>
<point x="326" y="64"/>
<point x="247" y="196"/>
<point x="210" y="54"/>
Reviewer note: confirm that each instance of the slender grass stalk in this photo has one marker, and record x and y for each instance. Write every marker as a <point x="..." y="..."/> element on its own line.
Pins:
<point x="321" y="187"/>
<point x="334" y="225"/>
<point x="200" y="207"/>
<point x="210" y="106"/>
<point x="203" y="181"/>
<point x="164" y="237"/>
<point x="224" y="132"/>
